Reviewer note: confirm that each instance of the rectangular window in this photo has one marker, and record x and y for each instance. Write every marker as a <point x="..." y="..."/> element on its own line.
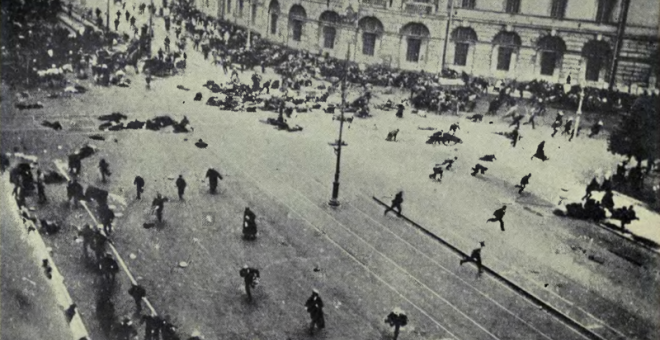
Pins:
<point x="228" y="6"/>
<point x="604" y="11"/>
<point x="594" y="65"/>
<point x="240" y="8"/>
<point x="273" y="23"/>
<point x="254" y="14"/>
<point x="414" y="46"/>
<point x="368" y="43"/>
<point x="512" y="6"/>
<point x="548" y="63"/>
<point x="558" y="10"/>
<point x="461" y="53"/>
<point x="504" y="58"/>
<point x="297" y="30"/>
<point x="469" y="4"/>
<point x="329" y="37"/>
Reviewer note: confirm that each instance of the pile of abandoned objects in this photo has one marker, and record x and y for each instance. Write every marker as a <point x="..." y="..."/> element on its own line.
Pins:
<point x="114" y="123"/>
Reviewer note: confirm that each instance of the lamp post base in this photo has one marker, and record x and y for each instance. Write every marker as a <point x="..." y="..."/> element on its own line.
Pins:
<point x="334" y="202"/>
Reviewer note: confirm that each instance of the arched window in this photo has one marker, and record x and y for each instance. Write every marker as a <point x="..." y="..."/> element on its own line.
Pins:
<point x="329" y="20"/>
<point x="596" y="53"/>
<point x="415" y="34"/>
<point x="297" y="16"/>
<point x="463" y="38"/>
<point x="274" y="15"/>
<point x="372" y="29"/>
<point x="551" y="50"/>
<point x="507" y="44"/>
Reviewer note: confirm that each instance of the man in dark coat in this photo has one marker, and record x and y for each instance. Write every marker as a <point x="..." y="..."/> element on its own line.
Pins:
<point x="314" y="307"/>
<point x="515" y="137"/>
<point x="75" y="163"/>
<point x="523" y="183"/>
<point x="74" y="191"/>
<point x="249" y="224"/>
<point x="137" y="292"/>
<point x="41" y="188"/>
<point x="475" y="257"/>
<point x="213" y="176"/>
<point x="499" y="215"/>
<point x="396" y="204"/>
<point x="126" y="330"/>
<point x="608" y="201"/>
<point x="266" y="87"/>
<point x="540" y="153"/>
<point x="478" y="168"/>
<point x="399" y="111"/>
<point x="153" y="327"/>
<point x="106" y="217"/>
<point x="104" y="168"/>
<point x="139" y="186"/>
<point x="108" y="267"/>
<point x="181" y="186"/>
<point x="251" y="279"/>
<point x="158" y="205"/>
<point x="397" y="319"/>
<point x="454" y="127"/>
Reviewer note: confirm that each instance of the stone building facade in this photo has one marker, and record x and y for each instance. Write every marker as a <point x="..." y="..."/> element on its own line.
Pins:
<point x="498" y="39"/>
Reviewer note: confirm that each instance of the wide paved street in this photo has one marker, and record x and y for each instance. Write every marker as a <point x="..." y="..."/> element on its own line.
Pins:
<point x="362" y="263"/>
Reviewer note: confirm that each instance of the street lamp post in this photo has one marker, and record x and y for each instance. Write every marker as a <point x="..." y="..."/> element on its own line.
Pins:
<point x="444" y="49"/>
<point x="578" y="114"/>
<point x="151" y="19"/>
<point x="249" y="33"/>
<point x="335" y="184"/>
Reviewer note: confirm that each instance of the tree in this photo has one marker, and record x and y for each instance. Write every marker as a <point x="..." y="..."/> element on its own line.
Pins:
<point x="637" y="134"/>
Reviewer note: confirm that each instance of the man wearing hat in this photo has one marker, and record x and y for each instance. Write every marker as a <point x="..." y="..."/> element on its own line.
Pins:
<point x="475" y="257"/>
<point x="314" y="306"/>
<point x="251" y="278"/>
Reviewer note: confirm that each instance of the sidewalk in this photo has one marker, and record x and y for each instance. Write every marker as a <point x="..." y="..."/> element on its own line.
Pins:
<point x="32" y="305"/>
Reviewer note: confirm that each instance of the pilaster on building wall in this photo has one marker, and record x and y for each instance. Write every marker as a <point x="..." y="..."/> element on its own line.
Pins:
<point x="576" y="39"/>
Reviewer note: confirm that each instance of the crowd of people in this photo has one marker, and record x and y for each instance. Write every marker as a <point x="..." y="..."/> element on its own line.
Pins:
<point x="224" y="44"/>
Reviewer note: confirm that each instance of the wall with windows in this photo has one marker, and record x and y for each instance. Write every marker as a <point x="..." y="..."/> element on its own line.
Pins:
<point x="555" y="38"/>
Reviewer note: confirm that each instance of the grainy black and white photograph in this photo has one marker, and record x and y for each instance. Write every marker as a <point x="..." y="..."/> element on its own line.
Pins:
<point x="330" y="169"/>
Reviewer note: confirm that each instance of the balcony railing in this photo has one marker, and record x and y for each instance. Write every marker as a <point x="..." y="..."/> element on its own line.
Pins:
<point x="419" y="8"/>
<point x="375" y="3"/>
